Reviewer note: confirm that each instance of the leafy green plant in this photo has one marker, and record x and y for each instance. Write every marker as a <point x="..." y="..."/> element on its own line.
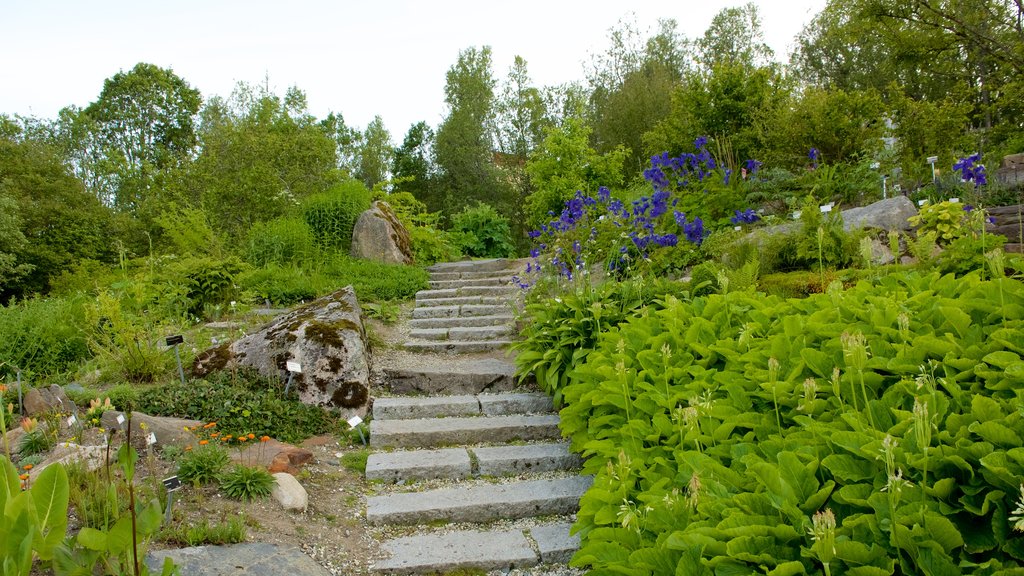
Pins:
<point x="723" y="432"/>
<point x="355" y="461"/>
<point x="36" y="441"/>
<point x="203" y="464"/>
<point x="205" y="533"/>
<point x="246" y="482"/>
<point x="34" y="519"/>
<point x="280" y="242"/>
<point x="123" y="341"/>
<point x="282" y="285"/>
<point x="482" y="232"/>
<point x="947" y="220"/>
<point x="332" y="215"/>
<point x="43" y="337"/>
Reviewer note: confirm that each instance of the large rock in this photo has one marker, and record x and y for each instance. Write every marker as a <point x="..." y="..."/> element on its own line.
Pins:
<point x="326" y="338"/>
<point x="379" y="235"/>
<point x="274" y="456"/>
<point x="39" y="401"/>
<point x="168" y="431"/>
<point x="289" y="493"/>
<point x="889" y="214"/>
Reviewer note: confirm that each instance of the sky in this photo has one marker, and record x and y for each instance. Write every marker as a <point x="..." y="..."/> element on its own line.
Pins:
<point x="357" y="58"/>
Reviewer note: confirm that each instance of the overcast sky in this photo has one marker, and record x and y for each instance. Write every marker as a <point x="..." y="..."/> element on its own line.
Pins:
<point x="359" y="58"/>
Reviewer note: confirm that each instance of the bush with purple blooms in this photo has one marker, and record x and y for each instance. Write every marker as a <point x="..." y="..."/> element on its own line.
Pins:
<point x="970" y="170"/>
<point x="662" y="231"/>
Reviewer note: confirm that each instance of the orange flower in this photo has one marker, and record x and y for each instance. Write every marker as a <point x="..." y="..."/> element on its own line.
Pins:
<point x="27" y="466"/>
<point x="204" y="442"/>
<point x="242" y="438"/>
<point x="265" y="439"/>
<point x="189" y="447"/>
<point x="3" y="388"/>
<point x="215" y="434"/>
<point x="227" y="437"/>
<point x="210" y="425"/>
<point x="23" y="476"/>
<point x="251" y="436"/>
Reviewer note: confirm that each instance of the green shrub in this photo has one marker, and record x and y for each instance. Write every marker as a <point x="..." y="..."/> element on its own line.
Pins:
<point x="723" y="431"/>
<point x="376" y="281"/>
<point x="282" y="286"/>
<point x="482" y="232"/>
<point x="561" y="332"/>
<point x="125" y="343"/>
<point x="43" y="337"/>
<point x="36" y="441"/>
<point x="203" y="281"/>
<point x="331" y="216"/>
<point x="202" y="464"/>
<point x="204" y="533"/>
<point x="239" y="402"/>
<point x="246" y="482"/>
<point x="283" y="241"/>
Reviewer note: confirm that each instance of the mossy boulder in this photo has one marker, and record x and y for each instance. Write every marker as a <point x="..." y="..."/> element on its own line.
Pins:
<point x="379" y="235"/>
<point x="325" y="338"/>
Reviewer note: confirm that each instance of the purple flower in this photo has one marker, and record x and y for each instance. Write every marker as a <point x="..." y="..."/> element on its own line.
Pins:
<point x="534" y="253"/>
<point x="680" y="218"/>
<point x="813" y="155"/>
<point x="747" y="216"/>
<point x="753" y="166"/>
<point x="700" y="142"/>
<point x="694" y="231"/>
<point x="728" y="173"/>
<point x="603" y="194"/>
<point x="968" y="208"/>
<point x="533" y="233"/>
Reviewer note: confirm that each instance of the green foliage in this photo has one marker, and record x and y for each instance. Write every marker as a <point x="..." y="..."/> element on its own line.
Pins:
<point x="562" y="331"/>
<point x="948" y="221"/>
<point x="246" y="482"/>
<point x="203" y="464"/>
<point x="483" y="232"/>
<point x="355" y="461"/>
<point x="43" y="337"/>
<point x="204" y="533"/>
<point x="198" y="283"/>
<point x="124" y="342"/>
<point x="97" y="502"/>
<point x="332" y="215"/>
<point x="281" y="285"/>
<point x="429" y="243"/>
<point x="188" y="232"/>
<point x="35" y="519"/>
<point x="376" y="281"/>
<point x="718" y="428"/>
<point x="240" y="402"/>
<point x="281" y="241"/>
<point x="39" y="440"/>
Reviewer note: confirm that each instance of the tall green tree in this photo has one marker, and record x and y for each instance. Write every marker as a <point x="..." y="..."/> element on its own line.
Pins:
<point x="734" y="37"/>
<point x="348" y="141"/>
<point x="521" y="112"/>
<point x="144" y="124"/>
<point x="261" y="156"/>
<point x="375" y="153"/>
<point x="465" y="139"/>
<point x="413" y="162"/>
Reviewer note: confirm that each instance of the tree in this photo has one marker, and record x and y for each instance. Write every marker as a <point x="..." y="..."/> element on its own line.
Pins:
<point x="347" y="141"/>
<point x="734" y="37"/>
<point x="631" y="87"/>
<point x="144" y="123"/>
<point x="465" y="139"/>
<point x="375" y="154"/>
<point x="261" y="156"/>
<point x="521" y="113"/>
<point x="565" y="163"/>
<point x="413" y="162"/>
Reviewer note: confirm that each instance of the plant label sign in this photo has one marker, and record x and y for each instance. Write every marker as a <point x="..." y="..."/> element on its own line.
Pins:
<point x="120" y="419"/>
<point x="171" y="484"/>
<point x="355" y="421"/>
<point x="151" y="439"/>
<point x="293" y="366"/>
<point x="922" y="202"/>
<point x="932" y="159"/>
<point x="72" y="419"/>
<point x="825" y="208"/>
<point x="174" y="340"/>
<point x="957" y="200"/>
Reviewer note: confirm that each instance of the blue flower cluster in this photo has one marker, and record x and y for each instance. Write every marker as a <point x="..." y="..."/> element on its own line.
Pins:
<point x="665" y="170"/>
<point x="747" y="216"/>
<point x="970" y="171"/>
<point x="813" y="155"/>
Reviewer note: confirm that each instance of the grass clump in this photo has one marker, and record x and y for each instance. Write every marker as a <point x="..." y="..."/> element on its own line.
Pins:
<point x="246" y="482"/>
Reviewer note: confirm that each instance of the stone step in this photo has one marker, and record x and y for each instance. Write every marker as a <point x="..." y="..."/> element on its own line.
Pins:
<point x="459" y="282"/>
<point x="456" y="311"/>
<point x="461" y="300"/>
<point x="418" y="407"/>
<point x="460" y="463"/>
<point x="478" y="550"/>
<point x="488" y="265"/>
<point x="479" y="333"/>
<point x="455" y="347"/>
<point x="479" y="503"/>
<point x="462" y="322"/>
<point x="467" y="376"/>
<point x="434" y="432"/>
<point x="464" y="291"/>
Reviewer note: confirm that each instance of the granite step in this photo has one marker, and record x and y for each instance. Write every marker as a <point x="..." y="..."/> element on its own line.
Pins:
<point x="443" y="284"/>
<point x="478" y="550"/>
<point x="436" y="432"/>
<point x="419" y="407"/>
<point x="460" y="300"/>
<point x="457" y="311"/>
<point x="479" y="333"/>
<point x="462" y="463"/>
<point x="462" y="322"/>
<point x="479" y="503"/>
<point x="468" y="376"/>
<point x="455" y="347"/>
<point x="473" y="290"/>
<point x="488" y="265"/>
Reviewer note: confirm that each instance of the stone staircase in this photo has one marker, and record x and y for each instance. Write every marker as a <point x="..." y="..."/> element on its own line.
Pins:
<point x="466" y="308"/>
<point x="477" y="460"/>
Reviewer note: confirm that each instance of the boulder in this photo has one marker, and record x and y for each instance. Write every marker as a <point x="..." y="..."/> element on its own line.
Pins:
<point x="379" y="235"/>
<point x="39" y="401"/>
<point x="325" y="338"/>
<point x="274" y="456"/>
<point x="289" y="493"/>
<point x="91" y="457"/>
<point x="168" y="431"/>
<point x="889" y="214"/>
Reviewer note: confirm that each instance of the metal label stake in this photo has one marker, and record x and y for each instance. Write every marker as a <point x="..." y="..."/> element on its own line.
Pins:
<point x="293" y="369"/>
<point x="173" y="342"/>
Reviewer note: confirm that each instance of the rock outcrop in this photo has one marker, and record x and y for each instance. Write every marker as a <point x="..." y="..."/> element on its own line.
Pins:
<point x="40" y="401"/>
<point x="379" y="235"/>
<point x="889" y="214"/>
<point x="325" y="338"/>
